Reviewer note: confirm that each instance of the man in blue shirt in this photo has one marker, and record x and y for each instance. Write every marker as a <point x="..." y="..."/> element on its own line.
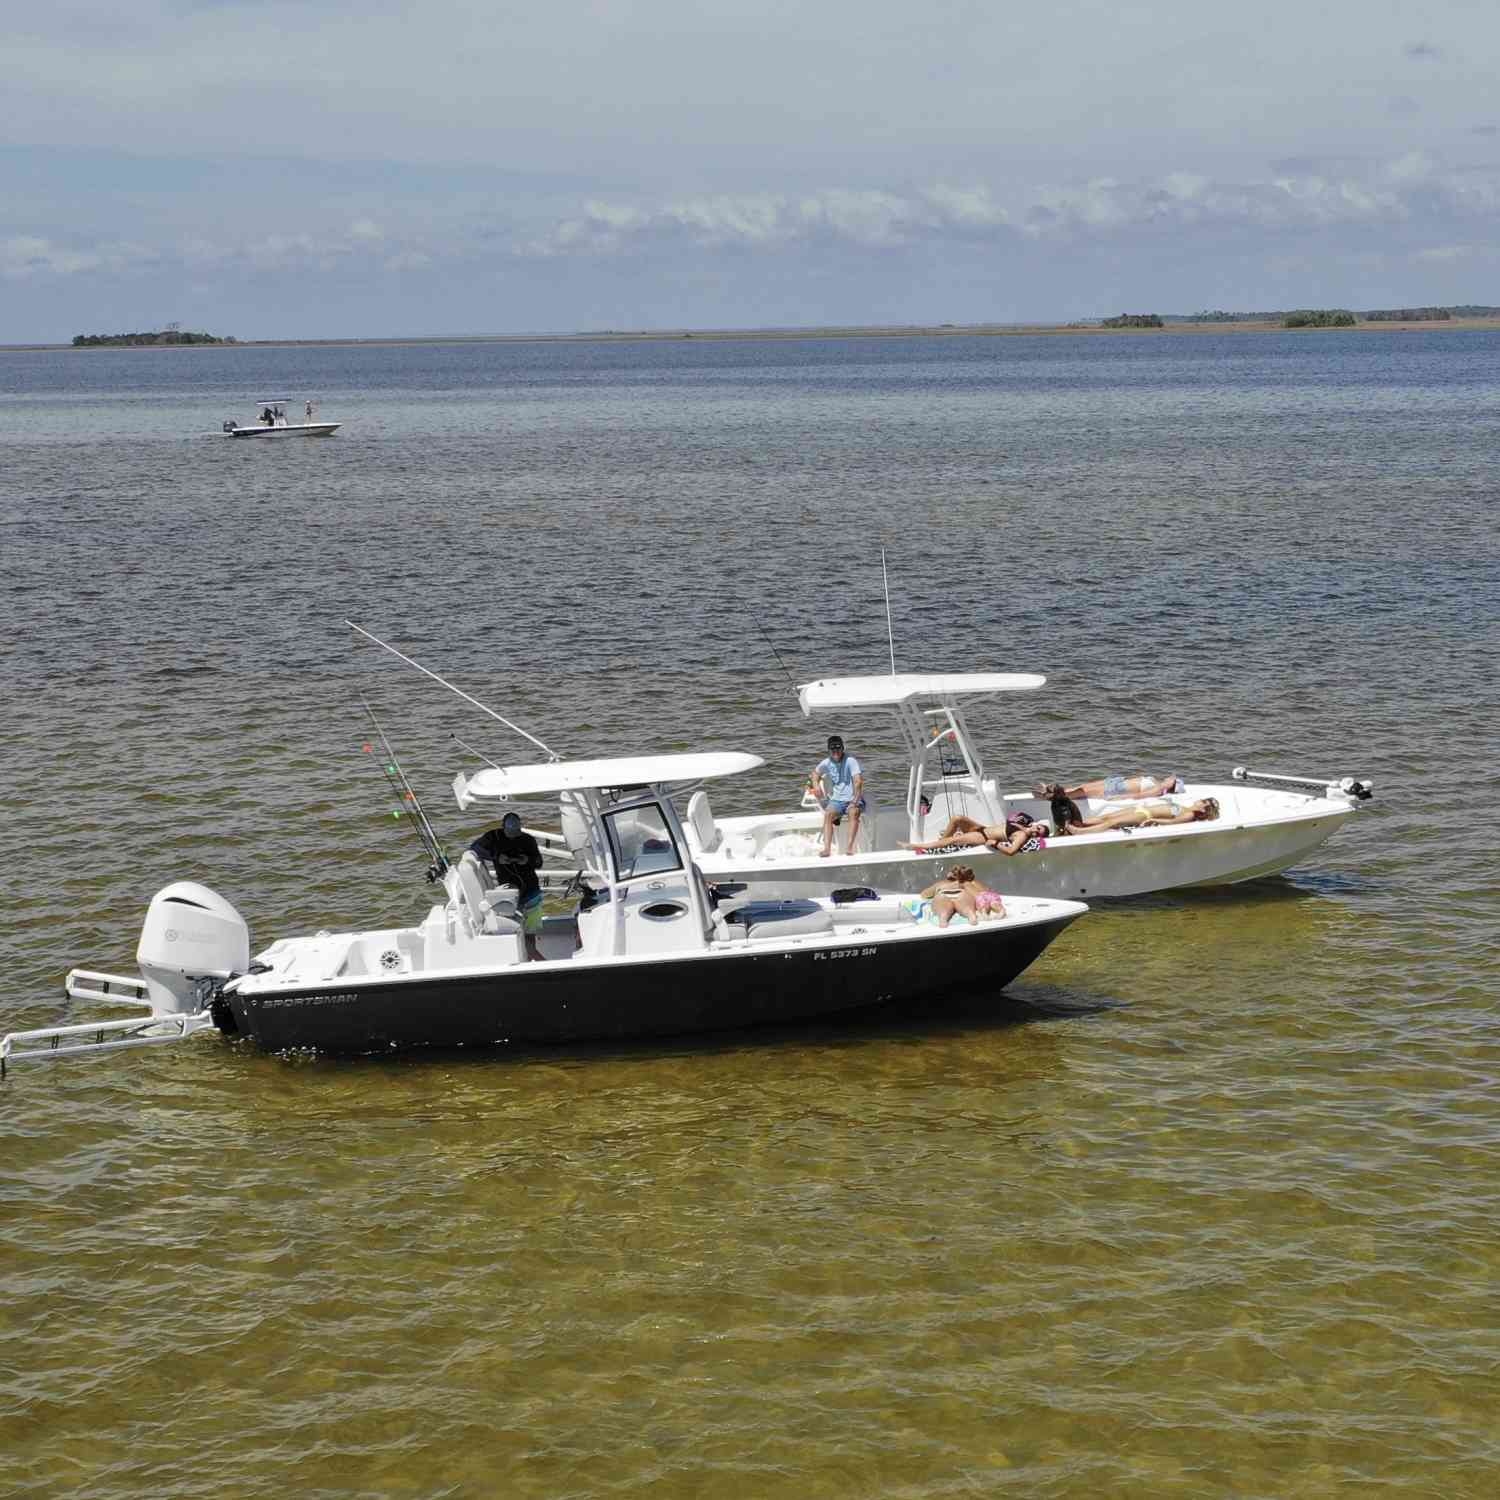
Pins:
<point x="839" y="785"/>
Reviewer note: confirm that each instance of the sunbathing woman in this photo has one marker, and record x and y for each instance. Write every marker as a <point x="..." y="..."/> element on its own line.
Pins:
<point x="987" y="903"/>
<point x="1010" y="837"/>
<point x="1143" y="815"/>
<point x="958" y="893"/>
<point x="1114" y="787"/>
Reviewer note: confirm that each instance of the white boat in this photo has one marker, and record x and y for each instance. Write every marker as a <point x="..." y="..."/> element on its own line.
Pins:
<point x="650" y="948"/>
<point x="271" y="422"/>
<point x="1265" y="823"/>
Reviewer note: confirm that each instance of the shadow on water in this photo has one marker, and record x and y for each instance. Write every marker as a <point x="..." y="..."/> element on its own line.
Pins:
<point x="1270" y="891"/>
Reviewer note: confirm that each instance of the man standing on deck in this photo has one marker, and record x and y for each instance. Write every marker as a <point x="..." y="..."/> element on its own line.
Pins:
<point x="838" y="783"/>
<point x="517" y="859"/>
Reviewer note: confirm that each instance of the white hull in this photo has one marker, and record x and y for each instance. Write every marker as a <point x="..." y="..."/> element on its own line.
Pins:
<point x="291" y="429"/>
<point x="1258" y="833"/>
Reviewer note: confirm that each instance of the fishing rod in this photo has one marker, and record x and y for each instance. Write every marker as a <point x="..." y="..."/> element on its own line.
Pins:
<point x="467" y="697"/>
<point x="410" y="807"/>
<point x="791" y="682"/>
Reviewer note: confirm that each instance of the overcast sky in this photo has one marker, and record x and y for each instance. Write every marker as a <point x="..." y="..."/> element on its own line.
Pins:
<point x="319" y="168"/>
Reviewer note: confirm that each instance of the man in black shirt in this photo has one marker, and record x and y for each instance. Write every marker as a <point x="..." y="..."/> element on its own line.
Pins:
<point x="517" y="859"/>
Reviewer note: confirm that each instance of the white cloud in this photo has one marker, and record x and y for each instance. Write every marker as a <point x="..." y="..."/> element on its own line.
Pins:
<point x="1407" y="187"/>
<point x="1412" y="191"/>
<point x="23" y="256"/>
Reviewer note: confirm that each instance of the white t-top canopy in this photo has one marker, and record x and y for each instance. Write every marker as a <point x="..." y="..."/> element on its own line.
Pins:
<point x="506" y="783"/>
<point x="885" y="691"/>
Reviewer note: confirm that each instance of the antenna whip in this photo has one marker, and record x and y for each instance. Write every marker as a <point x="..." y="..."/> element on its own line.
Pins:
<point x="889" y="634"/>
<point x="468" y="698"/>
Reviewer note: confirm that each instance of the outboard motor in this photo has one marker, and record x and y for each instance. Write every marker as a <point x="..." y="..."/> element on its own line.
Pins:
<point x="190" y="933"/>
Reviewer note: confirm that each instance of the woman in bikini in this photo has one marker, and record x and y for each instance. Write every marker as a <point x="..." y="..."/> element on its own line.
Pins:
<point x="1143" y="815"/>
<point x="958" y="893"/>
<point x="1113" y="787"/>
<point x="1010" y="837"/>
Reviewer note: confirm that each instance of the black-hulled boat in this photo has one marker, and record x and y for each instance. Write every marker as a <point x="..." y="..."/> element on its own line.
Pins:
<point x="650" y="949"/>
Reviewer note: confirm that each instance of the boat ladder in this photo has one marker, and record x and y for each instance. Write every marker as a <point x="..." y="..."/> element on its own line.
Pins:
<point x="102" y="1036"/>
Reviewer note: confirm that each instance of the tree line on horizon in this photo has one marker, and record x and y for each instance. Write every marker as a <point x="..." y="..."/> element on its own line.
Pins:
<point x="1372" y="315"/>
<point x="165" y="336"/>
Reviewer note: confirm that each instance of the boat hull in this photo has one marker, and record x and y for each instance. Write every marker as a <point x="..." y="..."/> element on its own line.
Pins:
<point x="1090" y="868"/>
<point x="296" y="429"/>
<point x="577" y="1000"/>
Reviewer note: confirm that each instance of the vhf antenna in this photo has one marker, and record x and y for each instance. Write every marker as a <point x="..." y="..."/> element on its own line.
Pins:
<point x="467" y="697"/>
<point x="409" y="806"/>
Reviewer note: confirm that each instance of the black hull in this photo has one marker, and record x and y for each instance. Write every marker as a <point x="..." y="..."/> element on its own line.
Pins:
<point x="575" y="1002"/>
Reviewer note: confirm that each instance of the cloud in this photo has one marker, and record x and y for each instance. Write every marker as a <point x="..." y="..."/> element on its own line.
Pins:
<point x="1422" y="51"/>
<point x="1405" y="188"/>
<point x="1410" y="191"/>
<point x="23" y="256"/>
<point x="1446" y="253"/>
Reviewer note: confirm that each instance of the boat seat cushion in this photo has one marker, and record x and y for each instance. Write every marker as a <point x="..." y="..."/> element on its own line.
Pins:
<point x="781" y="919"/>
<point x="701" y="823"/>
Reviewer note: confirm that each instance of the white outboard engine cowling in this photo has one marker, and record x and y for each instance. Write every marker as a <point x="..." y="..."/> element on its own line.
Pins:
<point x="190" y="932"/>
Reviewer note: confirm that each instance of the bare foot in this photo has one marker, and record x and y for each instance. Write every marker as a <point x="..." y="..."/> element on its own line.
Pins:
<point x="824" y="853"/>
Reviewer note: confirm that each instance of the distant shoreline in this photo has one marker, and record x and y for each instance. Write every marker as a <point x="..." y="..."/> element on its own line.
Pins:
<point x="721" y="335"/>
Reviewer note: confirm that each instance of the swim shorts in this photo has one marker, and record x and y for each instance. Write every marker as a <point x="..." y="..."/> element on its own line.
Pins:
<point x="531" y="913"/>
<point x="840" y="808"/>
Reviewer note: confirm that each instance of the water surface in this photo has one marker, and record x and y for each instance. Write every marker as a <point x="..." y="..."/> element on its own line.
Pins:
<point x="1201" y="1205"/>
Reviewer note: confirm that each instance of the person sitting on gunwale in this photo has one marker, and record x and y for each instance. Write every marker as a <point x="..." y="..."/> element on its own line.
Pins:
<point x="838" y="782"/>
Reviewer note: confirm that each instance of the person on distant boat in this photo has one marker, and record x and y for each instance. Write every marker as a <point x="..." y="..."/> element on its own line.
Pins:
<point x="516" y="859"/>
<point x="838" y="782"/>
<point x="1019" y="834"/>
<point x="1156" y="814"/>
<point x="1114" y="787"/>
<point x="309" y="411"/>
<point x="268" y="417"/>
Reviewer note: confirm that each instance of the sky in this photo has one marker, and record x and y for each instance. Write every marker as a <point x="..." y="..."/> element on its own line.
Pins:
<point x="325" y="169"/>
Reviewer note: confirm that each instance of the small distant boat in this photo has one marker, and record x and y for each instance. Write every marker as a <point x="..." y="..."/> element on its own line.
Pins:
<point x="272" y="422"/>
